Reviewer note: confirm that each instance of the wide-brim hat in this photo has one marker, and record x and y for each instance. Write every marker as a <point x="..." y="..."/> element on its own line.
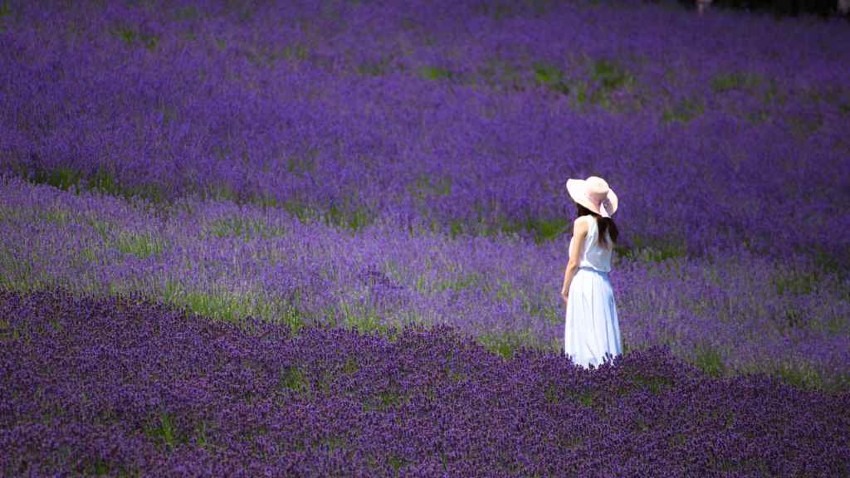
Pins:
<point x="594" y="194"/>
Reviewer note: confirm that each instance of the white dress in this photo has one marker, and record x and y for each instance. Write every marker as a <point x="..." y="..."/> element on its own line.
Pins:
<point x="592" y="330"/>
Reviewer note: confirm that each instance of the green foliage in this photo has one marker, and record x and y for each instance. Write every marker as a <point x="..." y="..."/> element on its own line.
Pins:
<point x="56" y="216"/>
<point x="354" y="219"/>
<point x="220" y="191"/>
<point x="100" y="468"/>
<point x="772" y="94"/>
<point x="238" y="226"/>
<point x="581" y="96"/>
<point x="63" y="177"/>
<point x="164" y="430"/>
<point x="709" y="360"/>
<point x="201" y="434"/>
<point x="652" y="250"/>
<point x="364" y="321"/>
<point x="677" y="440"/>
<point x="655" y="384"/>
<point x="550" y="393"/>
<point x="832" y="261"/>
<point x="396" y="462"/>
<point x="373" y="68"/>
<point x="499" y="72"/>
<point x="169" y="113"/>
<point x="545" y="74"/>
<point x="104" y="181"/>
<point x="505" y="343"/>
<point x="801" y="375"/>
<point x="266" y="200"/>
<point x="296" y="52"/>
<point x="796" y="283"/>
<point x="585" y="398"/>
<point x="7" y="332"/>
<point x="230" y="306"/>
<point x="456" y="228"/>
<point x="465" y="281"/>
<point x="18" y="275"/>
<point x="350" y="366"/>
<point x="152" y="192"/>
<point x="333" y="442"/>
<point x="551" y="77"/>
<point x="298" y="209"/>
<point x="435" y="73"/>
<point x="131" y="36"/>
<point x="127" y="34"/>
<point x="223" y="305"/>
<point x="140" y="245"/>
<point x="291" y="317"/>
<point x="215" y="305"/>
<point x="294" y="379"/>
<point x="101" y="227"/>
<point x="541" y="229"/>
<point x="735" y="81"/>
<point x="389" y="399"/>
<point x="683" y="111"/>
<point x="426" y="186"/>
<point x="343" y="215"/>
<point x="610" y="76"/>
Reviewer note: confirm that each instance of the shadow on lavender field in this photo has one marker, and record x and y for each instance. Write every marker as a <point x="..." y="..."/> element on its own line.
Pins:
<point x="122" y="386"/>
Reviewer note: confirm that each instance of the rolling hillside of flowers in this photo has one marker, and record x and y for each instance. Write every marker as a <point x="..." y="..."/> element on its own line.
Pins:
<point x="327" y="238"/>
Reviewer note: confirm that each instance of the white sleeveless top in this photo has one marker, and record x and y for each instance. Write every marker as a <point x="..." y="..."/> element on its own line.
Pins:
<point x="595" y="256"/>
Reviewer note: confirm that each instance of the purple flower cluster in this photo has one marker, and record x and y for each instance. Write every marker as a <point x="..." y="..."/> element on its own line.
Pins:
<point x="120" y="386"/>
<point x="460" y="116"/>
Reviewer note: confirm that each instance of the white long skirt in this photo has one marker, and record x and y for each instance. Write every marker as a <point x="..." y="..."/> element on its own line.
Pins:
<point x="592" y="330"/>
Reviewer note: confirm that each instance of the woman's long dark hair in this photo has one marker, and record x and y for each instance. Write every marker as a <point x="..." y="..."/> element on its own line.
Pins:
<point x="606" y="224"/>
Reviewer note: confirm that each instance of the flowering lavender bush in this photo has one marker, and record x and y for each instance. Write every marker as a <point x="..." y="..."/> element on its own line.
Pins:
<point x="229" y="262"/>
<point x="119" y="386"/>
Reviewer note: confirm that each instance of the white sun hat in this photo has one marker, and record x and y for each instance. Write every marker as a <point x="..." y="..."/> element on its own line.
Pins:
<point x="594" y="194"/>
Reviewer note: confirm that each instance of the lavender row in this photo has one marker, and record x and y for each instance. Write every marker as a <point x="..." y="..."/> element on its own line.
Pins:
<point x="119" y="386"/>
<point x="386" y="113"/>
<point x="230" y="262"/>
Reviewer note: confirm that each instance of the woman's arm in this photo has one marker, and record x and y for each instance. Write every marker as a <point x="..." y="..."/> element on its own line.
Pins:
<point x="576" y="246"/>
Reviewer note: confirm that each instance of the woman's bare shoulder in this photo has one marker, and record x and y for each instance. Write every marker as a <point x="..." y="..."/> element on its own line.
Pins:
<point x="585" y="220"/>
<point x="580" y="224"/>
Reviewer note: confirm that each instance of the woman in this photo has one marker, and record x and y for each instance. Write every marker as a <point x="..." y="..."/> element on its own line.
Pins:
<point x="592" y="330"/>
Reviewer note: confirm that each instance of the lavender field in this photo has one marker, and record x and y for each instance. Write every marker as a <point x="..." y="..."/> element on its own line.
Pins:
<point x="188" y="396"/>
<point x="327" y="238"/>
